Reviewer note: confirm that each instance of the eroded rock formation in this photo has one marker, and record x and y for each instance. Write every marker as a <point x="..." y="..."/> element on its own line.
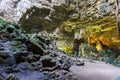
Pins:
<point x="23" y="54"/>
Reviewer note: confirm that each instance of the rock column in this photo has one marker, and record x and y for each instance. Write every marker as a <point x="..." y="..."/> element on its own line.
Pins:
<point x="118" y="15"/>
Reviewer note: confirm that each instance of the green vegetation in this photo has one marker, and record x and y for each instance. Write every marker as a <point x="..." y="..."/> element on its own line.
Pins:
<point x="106" y="54"/>
<point x="11" y="29"/>
<point x="45" y="19"/>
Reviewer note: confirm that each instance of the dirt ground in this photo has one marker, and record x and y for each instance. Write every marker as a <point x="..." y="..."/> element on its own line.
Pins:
<point x="96" y="71"/>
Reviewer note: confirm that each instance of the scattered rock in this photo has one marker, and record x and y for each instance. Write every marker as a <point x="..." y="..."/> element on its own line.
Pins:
<point x="25" y="66"/>
<point x="1" y="60"/>
<point x="32" y="57"/>
<point x="9" y="61"/>
<point x="4" y="55"/>
<point x="20" y="56"/>
<point x="11" y="77"/>
<point x="80" y="63"/>
<point x="1" y="77"/>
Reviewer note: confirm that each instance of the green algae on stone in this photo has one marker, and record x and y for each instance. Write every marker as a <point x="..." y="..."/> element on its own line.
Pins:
<point x="9" y="30"/>
<point x="38" y="19"/>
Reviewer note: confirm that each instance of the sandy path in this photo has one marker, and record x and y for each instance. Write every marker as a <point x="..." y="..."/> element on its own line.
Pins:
<point x="96" y="71"/>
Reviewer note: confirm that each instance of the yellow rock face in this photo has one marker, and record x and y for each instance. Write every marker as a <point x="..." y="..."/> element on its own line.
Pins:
<point x="108" y="38"/>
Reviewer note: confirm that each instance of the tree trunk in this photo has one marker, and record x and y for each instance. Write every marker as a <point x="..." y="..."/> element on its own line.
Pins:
<point x="118" y="15"/>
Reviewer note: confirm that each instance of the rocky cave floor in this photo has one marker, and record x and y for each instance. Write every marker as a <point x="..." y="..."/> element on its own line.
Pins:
<point x="24" y="65"/>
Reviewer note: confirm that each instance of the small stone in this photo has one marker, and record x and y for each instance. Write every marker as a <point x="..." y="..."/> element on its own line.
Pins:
<point x="79" y="63"/>
<point x="8" y="70"/>
<point x="1" y="48"/>
<point x="32" y="57"/>
<point x="64" y="72"/>
<point x="4" y="54"/>
<point x="69" y="75"/>
<point x="10" y="61"/>
<point x="1" y="45"/>
<point x="11" y="77"/>
<point x="1" y="60"/>
<point x="25" y="66"/>
<point x="1" y="77"/>
<point x="16" y="70"/>
<point x="45" y="72"/>
<point x="48" y="61"/>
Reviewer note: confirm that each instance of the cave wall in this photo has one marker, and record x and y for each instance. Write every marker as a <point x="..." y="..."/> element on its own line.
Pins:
<point x="40" y="19"/>
<point x="97" y="17"/>
<point x="13" y="10"/>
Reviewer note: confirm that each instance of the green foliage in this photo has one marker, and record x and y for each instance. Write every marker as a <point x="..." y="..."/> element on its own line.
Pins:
<point x="17" y="44"/>
<point x="69" y="26"/>
<point x="10" y="29"/>
<point x="74" y="17"/>
<point x="67" y="48"/>
<point x="35" y="41"/>
<point x="108" y="29"/>
<point x="2" y="22"/>
<point x="17" y="35"/>
<point x="94" y="29"/>
<point x="107" y="55"/>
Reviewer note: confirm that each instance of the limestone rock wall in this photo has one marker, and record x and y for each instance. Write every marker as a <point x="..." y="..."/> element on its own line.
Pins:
<point x="13" y="10"/>
<point x="96" y="8"/>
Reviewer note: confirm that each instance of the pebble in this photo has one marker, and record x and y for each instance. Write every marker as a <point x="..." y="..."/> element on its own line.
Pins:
<point x="1" y="48"/>
<point x="1" y="45"/>
<point x="79" y="63"/>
